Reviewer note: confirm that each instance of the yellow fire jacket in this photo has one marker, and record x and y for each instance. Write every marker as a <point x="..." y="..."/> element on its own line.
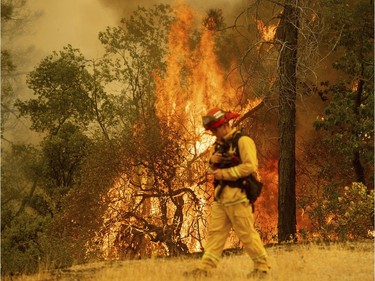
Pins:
<point x="248" y="165"/>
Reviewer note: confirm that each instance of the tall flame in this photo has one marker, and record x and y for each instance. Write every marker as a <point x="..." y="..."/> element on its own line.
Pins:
<point x="193" y="83"/>
<point x="194" y="80"/>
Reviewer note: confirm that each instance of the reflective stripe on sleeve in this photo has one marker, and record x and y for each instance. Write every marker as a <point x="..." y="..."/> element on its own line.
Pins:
<point x="235" y="171"/>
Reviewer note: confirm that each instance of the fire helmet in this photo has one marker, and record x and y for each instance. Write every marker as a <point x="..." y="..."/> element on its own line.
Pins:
<point x="216" y="117"/>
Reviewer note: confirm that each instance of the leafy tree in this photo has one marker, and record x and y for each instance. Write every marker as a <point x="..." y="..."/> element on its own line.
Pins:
<point x="135" y="53"/>
<point x="34" y="184"/>
<point x="20" y="248"/>
<point x="340" y="156"/>
<point x="21" y="172"/>
<point x="66" y="92"/>
<point x="70" y="99"/>
<point x="24" y="211"/>
<point x="63" y="155"/>
<point x="348" y="118"/>
<point x="83" y="207"/>
<point x="342" y="214"/>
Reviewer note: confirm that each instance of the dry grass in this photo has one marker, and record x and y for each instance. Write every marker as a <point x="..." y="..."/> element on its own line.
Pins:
<point x="351" y="261"/>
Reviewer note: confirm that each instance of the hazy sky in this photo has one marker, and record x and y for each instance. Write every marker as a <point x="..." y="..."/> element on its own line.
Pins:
<point x="75" y="22"/>
<point x="59" y="22"/>
<point x="78" y="22"/>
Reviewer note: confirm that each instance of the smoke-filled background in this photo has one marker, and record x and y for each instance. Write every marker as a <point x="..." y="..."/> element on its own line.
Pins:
<point x="48" y="26"/>
<point x="57" y="23"/>
<point x="51" y="25"/>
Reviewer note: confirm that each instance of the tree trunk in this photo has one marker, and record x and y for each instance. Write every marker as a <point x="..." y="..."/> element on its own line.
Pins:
<point x="288" y="35"/>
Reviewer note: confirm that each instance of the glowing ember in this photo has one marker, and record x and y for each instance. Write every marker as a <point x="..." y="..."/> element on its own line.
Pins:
<point x="267" y="32"/>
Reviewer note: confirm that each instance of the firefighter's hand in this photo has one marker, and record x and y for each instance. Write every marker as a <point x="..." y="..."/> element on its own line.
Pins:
<point x="216" y="158"/>
<point x="218" y="174"/>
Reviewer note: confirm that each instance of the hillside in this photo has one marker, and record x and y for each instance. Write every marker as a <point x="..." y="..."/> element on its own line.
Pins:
<point x="350" y="261"/>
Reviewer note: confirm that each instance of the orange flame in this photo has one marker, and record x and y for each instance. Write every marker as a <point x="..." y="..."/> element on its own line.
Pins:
<point x="194" y="82"/>
<point x="267" y="32"/>
<point x="265" y="213"/>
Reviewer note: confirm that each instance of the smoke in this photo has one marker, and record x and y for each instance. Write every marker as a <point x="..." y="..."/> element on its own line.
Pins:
<point x="56" y="24"/>
<point x="67" y="22"/>
<point x="48" y="26"/>
<point x="125" y="8"/>
<point x="78" y="23"/>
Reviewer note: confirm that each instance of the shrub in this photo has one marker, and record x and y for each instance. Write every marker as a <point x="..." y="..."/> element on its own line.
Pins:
<point x="343" y="215"/>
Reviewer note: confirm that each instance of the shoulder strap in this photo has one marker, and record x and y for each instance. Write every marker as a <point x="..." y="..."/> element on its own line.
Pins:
<point x="235" y="140"/>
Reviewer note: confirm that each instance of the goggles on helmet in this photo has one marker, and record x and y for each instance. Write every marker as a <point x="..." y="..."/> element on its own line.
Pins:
<point x="213" y="116"/>
<point x="208" y="121"/>
<point x="216" y="117"/>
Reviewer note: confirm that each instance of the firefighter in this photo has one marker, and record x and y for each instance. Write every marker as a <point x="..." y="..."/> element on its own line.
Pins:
<point x="231" y="208"/>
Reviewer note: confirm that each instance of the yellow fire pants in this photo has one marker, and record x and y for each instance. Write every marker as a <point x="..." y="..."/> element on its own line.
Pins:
<point x="241" y="218"/>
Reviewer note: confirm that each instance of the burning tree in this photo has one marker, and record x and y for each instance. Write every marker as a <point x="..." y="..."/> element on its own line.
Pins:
<point x="158" y="204"/>
<point x="322" y="29"/>
<point x="149" y="201"/>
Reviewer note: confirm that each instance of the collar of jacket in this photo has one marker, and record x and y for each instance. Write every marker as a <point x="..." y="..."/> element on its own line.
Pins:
<point x="228" y="136"/>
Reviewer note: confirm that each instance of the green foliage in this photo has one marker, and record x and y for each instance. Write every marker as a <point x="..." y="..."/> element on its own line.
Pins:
<point x="135" y="53"/>
<point x="34" y="183"/>
<point x="27" y="246"/>
<point x="20" y="171"/>
<point x="83" y="207"/>
<point x="24" y="210"/>
<point x="57" y="251"/>
<point x="343" y="214"/>
<point x="63" y="155"/>
<point x="348" y="127"/>
<point x="348" y="119"/>
<point x="352" y="22"/>
<point x="62" y="85"/>
<point x="20" y="248"/>
<point x="356" y="211"/>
